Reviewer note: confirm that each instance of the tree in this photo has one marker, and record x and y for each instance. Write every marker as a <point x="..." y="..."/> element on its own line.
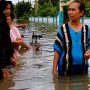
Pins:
<point x="87" y="4"/>
<point x="41" y="2"/>
<point x="87" y="10"/>
<point x="47" y="8"/>
<point x="54" y="2"/>
<point x="22" y="8"/>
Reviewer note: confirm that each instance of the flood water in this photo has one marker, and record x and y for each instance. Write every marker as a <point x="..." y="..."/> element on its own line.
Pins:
<point x="34" y="70"/>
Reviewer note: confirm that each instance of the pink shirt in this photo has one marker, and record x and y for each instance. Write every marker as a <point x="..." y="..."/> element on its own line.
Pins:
<point x="14" y="34"/>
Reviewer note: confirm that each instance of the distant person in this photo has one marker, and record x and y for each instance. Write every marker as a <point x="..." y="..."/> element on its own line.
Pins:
<point x="72" y="44"/>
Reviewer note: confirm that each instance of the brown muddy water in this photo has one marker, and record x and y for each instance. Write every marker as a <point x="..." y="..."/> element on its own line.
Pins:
<point x="34" y="70"/>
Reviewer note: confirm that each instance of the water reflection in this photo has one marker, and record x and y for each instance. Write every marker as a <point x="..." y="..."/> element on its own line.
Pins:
<point x="6" y="84"/>
<point x="34" y="71"/>
<point x="72" y="83"/>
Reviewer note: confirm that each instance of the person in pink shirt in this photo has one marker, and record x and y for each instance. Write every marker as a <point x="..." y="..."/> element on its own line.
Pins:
<point x="16" y="38"/>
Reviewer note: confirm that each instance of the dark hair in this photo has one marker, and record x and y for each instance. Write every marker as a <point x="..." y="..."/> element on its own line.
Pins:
<point x="10" y="3"/>
<point x="12" y="16"/>
<point x="82" y="5"/>
<point x="6" y="51"/>
<point x="1" y="9"/>
<point x="3" y="5"/>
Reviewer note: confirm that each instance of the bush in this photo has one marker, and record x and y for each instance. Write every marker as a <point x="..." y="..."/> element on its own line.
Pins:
<point x="24" y="19"/>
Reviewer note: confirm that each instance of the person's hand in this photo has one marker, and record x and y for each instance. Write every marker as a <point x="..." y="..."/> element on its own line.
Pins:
<point x="87" y="54"/>
<point x="13" y="61"/>
<point x="54" y="74"/>
<point x="6" y="74"/>
<point x="28" y="47"/>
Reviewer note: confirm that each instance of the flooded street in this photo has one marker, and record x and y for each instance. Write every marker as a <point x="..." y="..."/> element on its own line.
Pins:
<point x="34" y="71"/>
<point x="35" y="74"/>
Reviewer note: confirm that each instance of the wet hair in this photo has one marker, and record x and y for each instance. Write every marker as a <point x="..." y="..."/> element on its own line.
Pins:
<point x="82" y="5"/>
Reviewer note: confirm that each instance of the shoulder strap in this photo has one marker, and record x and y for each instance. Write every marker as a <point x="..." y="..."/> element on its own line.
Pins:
<point x="85" y="36"/>
<point x="67" y="62"/>
<point x="67" y="46"/>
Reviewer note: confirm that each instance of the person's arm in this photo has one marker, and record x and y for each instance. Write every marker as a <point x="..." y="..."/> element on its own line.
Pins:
<point x="87" y="53"/>
<point x="57" y="52"/>
<point x="20" y="41"/>
<point x="55" y="65"/>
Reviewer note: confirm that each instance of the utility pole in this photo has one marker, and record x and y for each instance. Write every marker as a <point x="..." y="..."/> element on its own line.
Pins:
<point x="30" y="1"/>
<point x="36" y="7"/>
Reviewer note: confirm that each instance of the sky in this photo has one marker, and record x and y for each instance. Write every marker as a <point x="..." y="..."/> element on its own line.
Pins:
<point x="15" y="1"/>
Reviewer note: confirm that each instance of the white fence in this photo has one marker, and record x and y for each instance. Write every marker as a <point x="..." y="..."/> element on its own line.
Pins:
<point x="48" y="20"/>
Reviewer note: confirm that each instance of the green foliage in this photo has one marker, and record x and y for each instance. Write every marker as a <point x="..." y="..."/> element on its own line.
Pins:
<point x="42" y="2"/>
<point x="53" y="11"/>
<point x="22" y="8"/>
<point x="87" y="4"/>
<point x="88" y="10"/>
<point x="47" y="9"/>
<point x="54" y="2"/>
<point x="24" y="19"/>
